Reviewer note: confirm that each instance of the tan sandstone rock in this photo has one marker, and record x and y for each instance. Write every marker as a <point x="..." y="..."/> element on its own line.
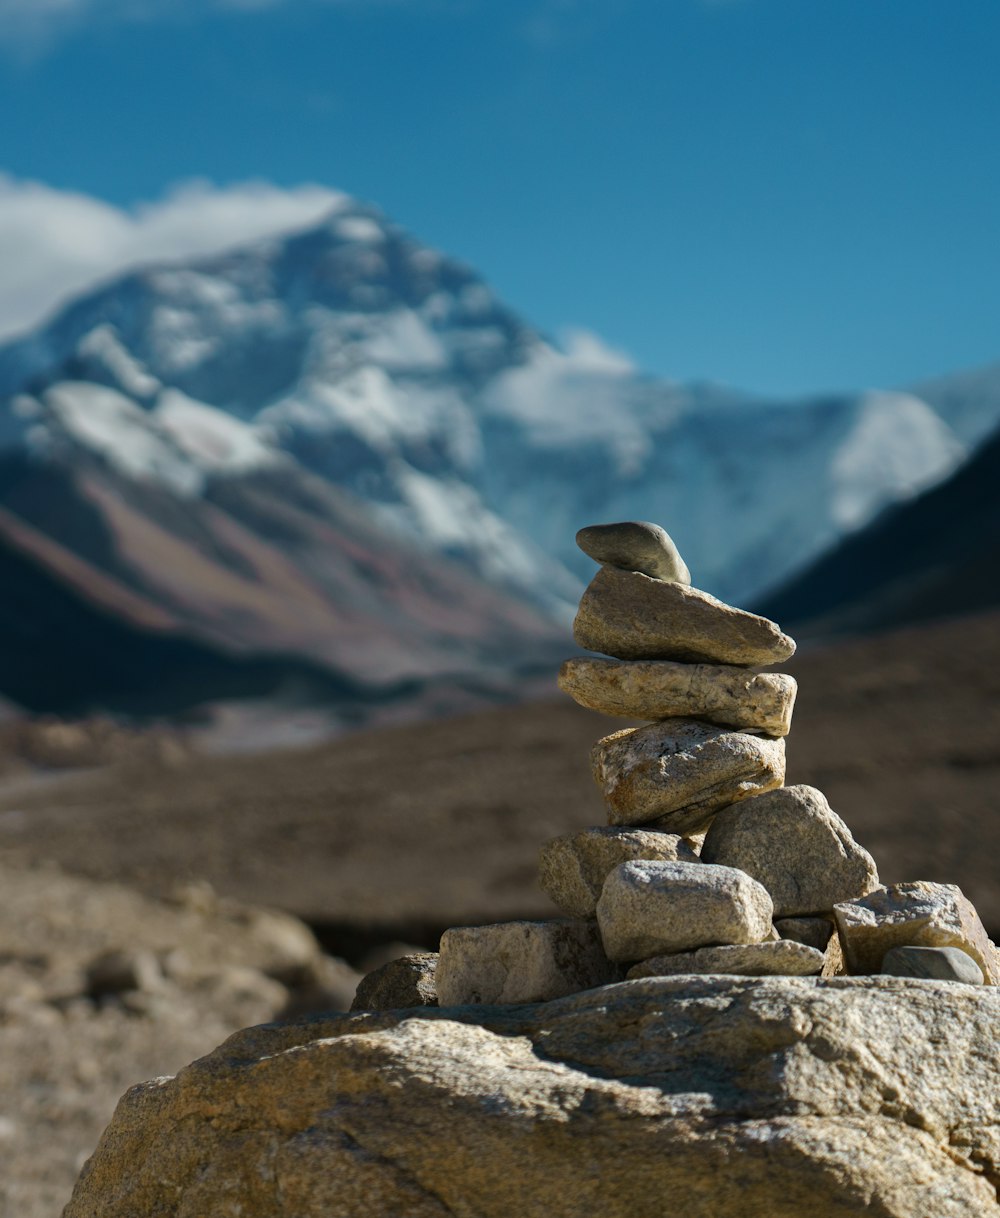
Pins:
<point x="793" y="842"/>
<point x="521" y="962"/>
<point x="679" y="773"/>
<point x="784" y="958"/>
<point x="572" y="869"/>
<point x="758" y="1097"/>
<point x="405" y="982"/>
<point x="650" y="908"/>
<point x="918" y="914"/>
<point x="663" y="689"/>
<point x="629" y="616"/>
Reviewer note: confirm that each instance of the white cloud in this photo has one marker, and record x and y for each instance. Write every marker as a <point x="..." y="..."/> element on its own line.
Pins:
<point x="54" y="243"/>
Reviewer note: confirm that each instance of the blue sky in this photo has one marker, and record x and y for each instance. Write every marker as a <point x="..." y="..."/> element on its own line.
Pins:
<point x="787" y="195"/>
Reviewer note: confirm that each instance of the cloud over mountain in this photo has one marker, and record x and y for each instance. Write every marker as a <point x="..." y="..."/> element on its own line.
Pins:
<point x="53" y="243"/>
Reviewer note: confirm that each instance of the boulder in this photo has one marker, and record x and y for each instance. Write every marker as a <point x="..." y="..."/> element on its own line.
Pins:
<point x="663" y="689"/>
<point x="918" y="914"/>
<point x="521" y="962"/>
<point x="770" y="1097"/>
<point x="793" y="842"/>
<point x="679" y="773"/>
<point x="635" y="545"/>
<point x="627" y="615"/>
<point x="783" y="958"/>
<point x="650" y="908"/>
<point x="941" y="963"/>
<point x="406" y="982"/>
<point x="572" y="869"/>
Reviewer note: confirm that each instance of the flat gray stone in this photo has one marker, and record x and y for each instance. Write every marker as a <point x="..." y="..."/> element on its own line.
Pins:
<point x="572" y="869"/>
<point x="918" y="914"/>
<point x="649" y="908"/>
<point x="630" y="616"/>
<point x="814" y="932"/>
<point x="635" y="545"/>
<point x="796" y="846"/>
<point x="406" y="982"/>
<point x="663" y="689"/>
<point x="785" y="958"/>
<point x="521" y="962"/>
<point x="937" y="963"/>
<point x="677" y="774"/>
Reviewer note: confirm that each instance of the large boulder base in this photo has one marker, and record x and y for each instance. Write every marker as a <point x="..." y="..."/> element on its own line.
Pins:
<point x="701" y="1097"/>
<point x="629" y="616"/>
<point x="572" y="868"/>
<point x="663" y="689"/>
<point x="650" y="908"/>
<point x="674" y="776"/>
<point x="793" y="842"/>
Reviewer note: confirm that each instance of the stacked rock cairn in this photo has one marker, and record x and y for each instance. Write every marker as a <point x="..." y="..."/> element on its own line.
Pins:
<point x="708" y="863"/>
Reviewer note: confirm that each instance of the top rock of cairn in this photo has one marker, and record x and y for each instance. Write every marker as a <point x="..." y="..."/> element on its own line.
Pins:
<point x="635" y="545"/>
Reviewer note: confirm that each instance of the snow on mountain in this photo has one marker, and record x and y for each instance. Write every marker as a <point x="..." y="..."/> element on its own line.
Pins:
<point x="349" y="353"/>
<point x="969" y="401"/>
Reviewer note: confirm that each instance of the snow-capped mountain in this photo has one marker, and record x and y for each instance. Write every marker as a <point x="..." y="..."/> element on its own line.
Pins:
<point x="349" y="369"/>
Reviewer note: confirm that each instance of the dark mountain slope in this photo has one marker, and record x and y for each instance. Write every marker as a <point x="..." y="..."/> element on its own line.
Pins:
<point x="936" y="556"/>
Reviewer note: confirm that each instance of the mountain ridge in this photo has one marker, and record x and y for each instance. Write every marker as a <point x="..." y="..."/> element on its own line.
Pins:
<point x="229" y="415"/>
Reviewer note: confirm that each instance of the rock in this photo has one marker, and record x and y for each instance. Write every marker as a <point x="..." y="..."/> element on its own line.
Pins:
<point x="784" y="958"/>
<point x="662" y="689"/>
<point x="521" y="962"/>
<point x="572" y="869"/>
<point x="629" y="616"/>
<point x="814" y="932"/>
<point x="649" y="908"/>
<point x="65" y="1059"/>
<point x="939" y="963"/>
<point x="635" y="545"/>
<point x="918" y="914"/>
<point x="818" y="933"/>
<point x="833" y="958"/>
<point x="771" y="1097"/>
<point x="681" y="772"/>
<point x="406" y="982"/>
<point x="796" y="846"/>
<point x="120" y="970"/>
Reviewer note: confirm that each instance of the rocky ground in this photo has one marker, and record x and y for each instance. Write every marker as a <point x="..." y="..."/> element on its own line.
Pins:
<point x="101" y="987"/>
<point x="382" y="836"/>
